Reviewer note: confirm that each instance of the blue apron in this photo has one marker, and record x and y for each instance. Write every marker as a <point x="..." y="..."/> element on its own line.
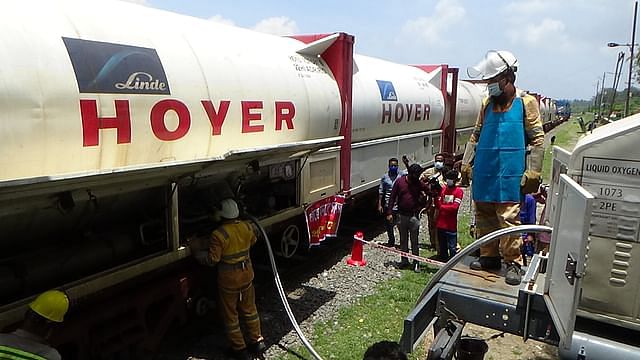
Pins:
<point x="500" y="155"/>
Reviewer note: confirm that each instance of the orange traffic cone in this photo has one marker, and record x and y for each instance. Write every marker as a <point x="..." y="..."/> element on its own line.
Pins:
<point x="356" y="258"/>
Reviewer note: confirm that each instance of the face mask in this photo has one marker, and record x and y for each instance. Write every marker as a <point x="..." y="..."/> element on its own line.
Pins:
<point x="494" y="89"/>
<point x="393" y="169"/>
<point x="450" y="183"/>
<point x="438" y="165"/>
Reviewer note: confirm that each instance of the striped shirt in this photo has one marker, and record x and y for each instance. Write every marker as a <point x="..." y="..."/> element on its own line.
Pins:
<point x="23" y="345"/>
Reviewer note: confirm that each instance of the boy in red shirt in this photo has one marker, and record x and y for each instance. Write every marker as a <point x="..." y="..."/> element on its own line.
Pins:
<point x="447" y="219"/>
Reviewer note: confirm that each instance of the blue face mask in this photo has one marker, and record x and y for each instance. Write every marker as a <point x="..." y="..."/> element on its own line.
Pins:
<point x="438" y="165"/>
<point x="450" y="183"/>
<point x="494" y="89"/>
<point x="393" y="169"/>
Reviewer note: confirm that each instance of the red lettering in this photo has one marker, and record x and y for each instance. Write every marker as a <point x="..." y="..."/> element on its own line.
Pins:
<point x="158" y="125"/>
<point x="91" y="123"/>
<point x="399" y="112"/>
<point x="409" y="111"/>
<point x="216" y="118"/>
<point x="248" y="116"/>
<point x="418" y="112"/>
<point x="386" y="113"/>
<point x="287" y="117"/>
<point x="427" y="111"/>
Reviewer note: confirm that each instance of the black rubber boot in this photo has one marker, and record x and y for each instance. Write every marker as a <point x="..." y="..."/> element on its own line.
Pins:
<point x="486" y="263"/>
<point x="514" y="274"/>
<point x="241" y="354"/>
<point x="258" y="348"/>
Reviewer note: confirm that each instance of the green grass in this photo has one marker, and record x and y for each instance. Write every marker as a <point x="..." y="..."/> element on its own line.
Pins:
<point x="567" y="134"/>
<point x="464" y="238"/>
<point x="374" y="318"/>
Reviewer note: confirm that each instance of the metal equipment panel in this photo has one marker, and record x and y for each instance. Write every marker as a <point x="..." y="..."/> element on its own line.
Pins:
<point x="569" y="237"/>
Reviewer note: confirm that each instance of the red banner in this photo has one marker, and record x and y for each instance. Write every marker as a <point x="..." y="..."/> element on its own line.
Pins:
<point x="323" y="218"/>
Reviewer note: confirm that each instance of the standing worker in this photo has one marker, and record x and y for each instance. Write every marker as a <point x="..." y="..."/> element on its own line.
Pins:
<point x="503" y="168"/>
<point x="29" y="342"/>
<point x="384" y="192"/>
<point x="228" y="248"/>
<point x="409" y="193"/>
<point x="432" y="176"/>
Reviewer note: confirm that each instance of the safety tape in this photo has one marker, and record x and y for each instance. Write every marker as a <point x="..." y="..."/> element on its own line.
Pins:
<point x="401" y="253"/>
<point x="485" y="275"/>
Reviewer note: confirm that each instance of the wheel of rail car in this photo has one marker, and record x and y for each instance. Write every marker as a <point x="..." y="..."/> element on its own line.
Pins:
<point x="290" y="240"/>
<point x="202" y="306"/>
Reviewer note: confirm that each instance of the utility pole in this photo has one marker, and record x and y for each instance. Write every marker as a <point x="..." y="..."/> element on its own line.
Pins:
<point x="616" y="80"/>
<point x="595" y="98"/>
<point x="604" y="74"/>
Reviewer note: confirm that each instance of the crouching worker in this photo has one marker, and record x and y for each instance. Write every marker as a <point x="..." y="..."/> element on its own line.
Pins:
<point x="29" y="342"/>
<point x="228" y="248"/>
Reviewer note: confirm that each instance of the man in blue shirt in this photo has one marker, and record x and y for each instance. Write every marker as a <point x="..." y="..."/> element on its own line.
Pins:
<point x="384" y="192"/>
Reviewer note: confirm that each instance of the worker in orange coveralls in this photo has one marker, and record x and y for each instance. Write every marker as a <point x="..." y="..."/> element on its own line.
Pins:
<point x="228" y="248"/>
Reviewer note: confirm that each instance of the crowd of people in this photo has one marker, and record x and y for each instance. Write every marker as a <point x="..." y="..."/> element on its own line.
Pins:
<point x="503" y="157"/>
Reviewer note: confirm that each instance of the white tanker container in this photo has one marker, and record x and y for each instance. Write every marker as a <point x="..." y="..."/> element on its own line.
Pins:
<point x="469" y="103"/>
<point x="545" y="111"/>
<point x="83" y="95"/>
<point x="392" y="99"/>
<point x="123" y="125"/>
<point x="397" y="109"/>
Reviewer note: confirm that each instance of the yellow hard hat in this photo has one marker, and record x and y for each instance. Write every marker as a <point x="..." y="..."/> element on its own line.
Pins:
<point x="51" y="305"/>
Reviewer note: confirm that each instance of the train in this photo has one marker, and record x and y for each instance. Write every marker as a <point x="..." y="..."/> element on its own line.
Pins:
<point x="124" y="126"/>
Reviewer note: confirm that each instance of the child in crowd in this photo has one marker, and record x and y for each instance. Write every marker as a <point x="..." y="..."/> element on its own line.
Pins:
<point x="528" y="217"/>
<point x="448" y="204"/>
<point x="543" y="239"/>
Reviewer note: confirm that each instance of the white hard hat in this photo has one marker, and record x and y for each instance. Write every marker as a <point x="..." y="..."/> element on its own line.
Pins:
<point x="494" y="63"/>
<point x="229" y="209"/>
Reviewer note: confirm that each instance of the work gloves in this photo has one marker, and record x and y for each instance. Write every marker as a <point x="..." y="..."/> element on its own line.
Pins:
<point x="530" y="181"/>
<point x="466" y="168"/>
<point x="466" y="174"/>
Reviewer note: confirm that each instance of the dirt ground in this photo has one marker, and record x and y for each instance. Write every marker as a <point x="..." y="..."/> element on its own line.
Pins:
<point x="507" y="347"/>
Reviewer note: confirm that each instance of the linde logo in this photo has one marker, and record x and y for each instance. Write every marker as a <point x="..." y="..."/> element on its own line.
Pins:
<point x="141" y="81"/>
<point x="387" y="91"/>
<point x="108" y="68"/>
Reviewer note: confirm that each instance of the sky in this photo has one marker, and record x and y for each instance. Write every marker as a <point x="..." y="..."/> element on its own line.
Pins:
<point x="561" y="45"/>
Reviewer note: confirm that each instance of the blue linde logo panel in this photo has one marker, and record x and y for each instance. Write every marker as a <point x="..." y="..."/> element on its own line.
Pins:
<point x="108" y="68"/>
<point x="387" y="92"/>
